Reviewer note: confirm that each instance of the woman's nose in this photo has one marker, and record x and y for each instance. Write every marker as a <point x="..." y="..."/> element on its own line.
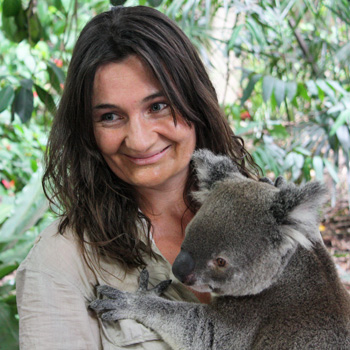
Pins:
<point x="140" y="134"/>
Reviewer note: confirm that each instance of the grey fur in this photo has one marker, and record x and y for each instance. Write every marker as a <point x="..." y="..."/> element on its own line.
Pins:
<point x="279" y="288"/>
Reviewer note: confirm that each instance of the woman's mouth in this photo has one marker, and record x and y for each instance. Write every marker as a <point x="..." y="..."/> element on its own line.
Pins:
<point x="146" y="159"/>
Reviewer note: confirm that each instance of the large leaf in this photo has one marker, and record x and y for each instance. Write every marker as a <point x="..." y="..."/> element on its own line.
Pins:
<point x="344" y="137"/>
<point x="8" y="327"/>
<point x="291" y="89"/>
<point x="11" y="8"/>
<point x="331" y="170"/>
<point x="326" y="89"/>
<point x="11" y="30"/>
<point x="30" y="206"/>
<point x="317" y="163"/>
<point x="46" y="99"/>
<point x="250" y="87"/>
<point x="267" y="87"/>
<point x="56" y="75"/>
<point x="343" y="117"/>
<point x="35" y="29"/>
<point x="24" y="103"/>
<point x="279" y="91"/>
<point x="154" y="3"/>
<point x="234" y="36"/>
<point x="6" y="97"/>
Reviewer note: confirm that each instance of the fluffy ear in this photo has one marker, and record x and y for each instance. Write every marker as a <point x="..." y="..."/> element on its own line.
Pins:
<point x="210" y="169"/>
<point x="296" y="211"/>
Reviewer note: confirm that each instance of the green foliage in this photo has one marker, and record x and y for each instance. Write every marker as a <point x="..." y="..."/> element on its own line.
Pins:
<point x="295" y="74"/>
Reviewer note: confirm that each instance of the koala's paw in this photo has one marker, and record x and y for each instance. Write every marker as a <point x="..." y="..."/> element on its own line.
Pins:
<point x="116" y="307"/>
<point x="279" y="182"/>
<point x="158" y="289"/>
<point x="120" y="305"/>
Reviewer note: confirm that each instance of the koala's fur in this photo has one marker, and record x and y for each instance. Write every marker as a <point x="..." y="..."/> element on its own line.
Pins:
<point x="278" y="289"/>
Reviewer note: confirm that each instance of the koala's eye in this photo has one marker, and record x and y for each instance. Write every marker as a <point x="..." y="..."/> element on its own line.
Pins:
<point x="221" y="262"/>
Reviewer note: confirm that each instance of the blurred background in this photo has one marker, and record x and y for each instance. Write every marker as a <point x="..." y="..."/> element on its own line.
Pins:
<point x="282" y="73"/>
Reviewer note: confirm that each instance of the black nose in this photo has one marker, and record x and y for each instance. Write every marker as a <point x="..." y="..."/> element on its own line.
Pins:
<point x="183" y="265"/>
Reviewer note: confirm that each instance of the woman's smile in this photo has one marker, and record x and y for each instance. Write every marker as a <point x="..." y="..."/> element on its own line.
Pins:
<point x="150" y="158"/>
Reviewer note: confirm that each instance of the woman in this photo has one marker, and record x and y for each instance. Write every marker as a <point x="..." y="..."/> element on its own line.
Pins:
<point x="136" y="103"/>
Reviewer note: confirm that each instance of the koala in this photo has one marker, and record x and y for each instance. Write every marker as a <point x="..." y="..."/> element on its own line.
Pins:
<point x="255" y="245"/>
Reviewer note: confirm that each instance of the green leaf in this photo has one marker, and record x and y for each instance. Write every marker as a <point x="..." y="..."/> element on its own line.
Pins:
<point x="267" y="87"/>
<point x="5" y="211"/>
<point x="336" y="86"/>
<point x="11" y="8"/>
<point x="27" y="83"/>
<point x="291" y="89"/>
<point x="331" y="170"/>
<point x="317" y="163"/>
<point x="250" y="87"/>
<point x="8" y="326"/>
<point x="23" y="103"/>
<point x="35" y="29"/>
<point x="312" y="88"/>
<point x="155" y="3"/>
<point x="7" y="269"/>
<point x="256" y="31"/>
<point x="342" y="118"/>
<point x="279" y="131"/>
<point x="56" y="75"/>
<point x="11" y="30"/>
<point x="46" y="99"/>
<point x="302" y="92"/>
<point x="279" y="91"/>
<point x="30" y="206"/>
<point x="326" y="89"/>
<point x="344" y="137"/>
<point x="6" y="97"/>
<point x="234" y="36"/>
<point x="343" y="53"/>
<point x="117" y="2"/>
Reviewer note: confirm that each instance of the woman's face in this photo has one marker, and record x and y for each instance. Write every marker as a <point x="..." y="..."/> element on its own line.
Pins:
<point x="135" y="130"/>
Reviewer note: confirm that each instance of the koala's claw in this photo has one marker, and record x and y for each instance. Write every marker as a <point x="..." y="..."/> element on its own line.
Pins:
<point x="100" y="305"/>
<point x="108" y="291"/>
<point x="144" y="276"/>
<point x="279" y="182"/>
<point x="161" y="287"/>
<point x="111" y="316"/>
<point x="158" y="289"/>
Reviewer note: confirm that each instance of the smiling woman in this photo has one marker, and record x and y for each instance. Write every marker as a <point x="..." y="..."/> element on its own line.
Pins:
<point x="135" y="130"/>
<point x="137" y="102"/>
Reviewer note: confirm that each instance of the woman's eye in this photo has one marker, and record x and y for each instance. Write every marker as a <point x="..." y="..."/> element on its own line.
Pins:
<point x="157" y="107"/>
<point x="109" y="117"/>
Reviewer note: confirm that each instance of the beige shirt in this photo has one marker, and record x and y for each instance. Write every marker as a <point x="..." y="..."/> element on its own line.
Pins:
<point x="55" y="287"/>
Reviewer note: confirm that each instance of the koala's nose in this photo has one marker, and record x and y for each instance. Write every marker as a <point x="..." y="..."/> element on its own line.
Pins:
<point x="183" y="267"/>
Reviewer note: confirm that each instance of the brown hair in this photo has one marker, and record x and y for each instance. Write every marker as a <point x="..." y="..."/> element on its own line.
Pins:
<point x="92" y="199"/>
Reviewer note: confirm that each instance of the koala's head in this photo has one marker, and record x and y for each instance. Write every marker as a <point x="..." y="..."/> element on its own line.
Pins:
<point x="245" y="231"/>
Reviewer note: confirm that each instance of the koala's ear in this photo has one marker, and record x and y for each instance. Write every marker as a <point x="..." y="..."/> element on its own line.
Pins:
<point x="296" y="211"/>
<point x="210" y="169"/>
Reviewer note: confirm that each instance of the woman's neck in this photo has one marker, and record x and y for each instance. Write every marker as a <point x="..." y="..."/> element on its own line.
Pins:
<point x="164" y="201"/>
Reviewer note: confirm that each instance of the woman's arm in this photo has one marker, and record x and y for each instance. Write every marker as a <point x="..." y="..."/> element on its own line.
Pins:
<point x="53" y="314"/>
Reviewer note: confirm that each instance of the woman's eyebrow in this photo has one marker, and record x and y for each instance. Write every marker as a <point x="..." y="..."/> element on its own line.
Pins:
<point x="152" y="96"/>
<point x="146" y="99"/>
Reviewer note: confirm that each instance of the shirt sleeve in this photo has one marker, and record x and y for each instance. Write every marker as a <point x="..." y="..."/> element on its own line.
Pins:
<point x="53" y="314"/>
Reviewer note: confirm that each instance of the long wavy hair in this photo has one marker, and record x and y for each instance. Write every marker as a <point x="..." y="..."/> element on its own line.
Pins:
<point x="99" y="207"/>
